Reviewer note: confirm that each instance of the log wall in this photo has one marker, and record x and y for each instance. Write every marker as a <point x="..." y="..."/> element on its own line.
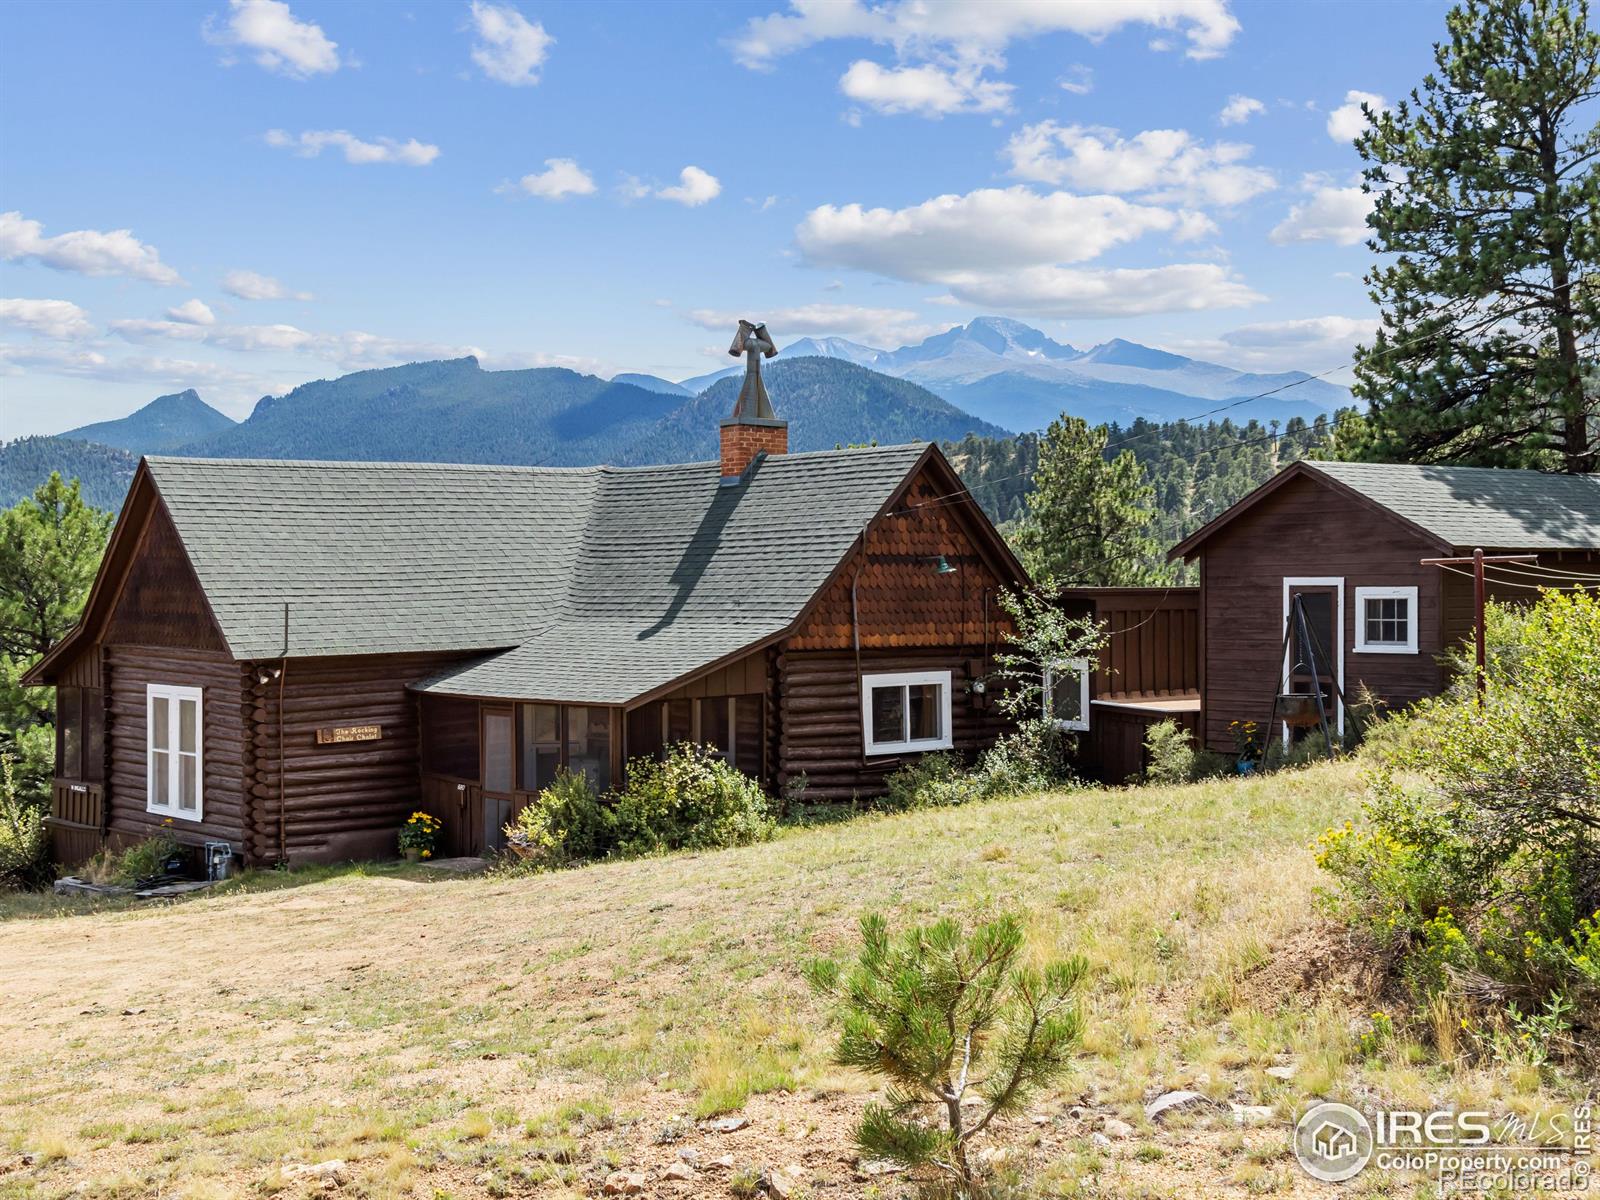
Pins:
<point x="128" y="670"/>
<point x="819" y="717"/>
<point x="342" y="800"/>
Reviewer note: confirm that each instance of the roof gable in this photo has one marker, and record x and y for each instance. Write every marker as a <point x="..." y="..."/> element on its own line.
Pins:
<point x="1450" y="507"/>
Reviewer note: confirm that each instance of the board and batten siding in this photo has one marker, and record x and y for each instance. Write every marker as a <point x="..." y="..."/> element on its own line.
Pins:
<point x="1305" y="530"/>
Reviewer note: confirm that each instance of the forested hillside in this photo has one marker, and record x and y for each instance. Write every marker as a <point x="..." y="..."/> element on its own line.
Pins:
<point x="827" y="402"/>
<point x="105" y="471"/>
<point x="1197" y="470"/>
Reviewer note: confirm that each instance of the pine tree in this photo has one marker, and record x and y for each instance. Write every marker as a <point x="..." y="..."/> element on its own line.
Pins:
<point x="1485" y="185"/>
<point x="1089" y="520"/>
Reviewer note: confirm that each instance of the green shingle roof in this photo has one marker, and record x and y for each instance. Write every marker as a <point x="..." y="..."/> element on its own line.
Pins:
<point x="1482" y="506"/>
<point x="592" y="585"/>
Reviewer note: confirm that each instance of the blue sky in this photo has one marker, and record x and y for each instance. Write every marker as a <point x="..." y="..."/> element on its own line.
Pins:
<point x="240" y="196"/>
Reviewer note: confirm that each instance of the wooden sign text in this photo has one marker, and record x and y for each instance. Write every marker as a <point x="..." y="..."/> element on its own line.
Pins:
<point x="349" y="733"/>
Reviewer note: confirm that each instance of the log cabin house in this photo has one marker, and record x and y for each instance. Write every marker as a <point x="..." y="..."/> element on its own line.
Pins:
<point x="291" y="657"/>
<point x="1350" y="539"/>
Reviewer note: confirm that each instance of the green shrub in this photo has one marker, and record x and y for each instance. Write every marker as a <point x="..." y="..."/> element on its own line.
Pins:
<point x="1034" y="757"/>
<point x="565" y="823"/>
<point x="24" y="841"/>
<point x="935" y="780"/>
<point x="143" y="860"/>
<point x="1478" y="854"/>
<point x="960" y="1028"/>
<point x="690" y="800"/>
<point x="1169" y="751"/>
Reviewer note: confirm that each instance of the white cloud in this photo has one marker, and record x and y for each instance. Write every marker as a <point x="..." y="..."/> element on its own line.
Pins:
<point x="1240" y="109"/>
<point x="990" y="228"/>
<point x="1161" y="164"/>
<point x="880" y="326"/>
<point x="352" y="350"/>
<point x="173" y="373"/>
<point x="1347" y="121"/>
<point x="1007" y="248"/>
<point x="1079" y="80"/>
<point x="192" y="312"/>
<point x="976" y="32"/>
<point x="928" y="90"/>
<point x="1304" y="344"/>
<point x="562" y="177"/>
<point x="510" y="48"/>
<point x="281" y="42"/>
<point x="1312" y="332"/>
<point x="694" y="188"/>
<point x="1069" y="292"/>
<point x="248" y="285"/>
<point x="1332" y="214"/>
<point x="59" y="319"/>
<point x="85" y="251"/>
<point x="312" y="142"/>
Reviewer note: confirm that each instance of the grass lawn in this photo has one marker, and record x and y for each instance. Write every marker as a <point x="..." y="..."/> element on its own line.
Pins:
<point x="471" y="1037"/>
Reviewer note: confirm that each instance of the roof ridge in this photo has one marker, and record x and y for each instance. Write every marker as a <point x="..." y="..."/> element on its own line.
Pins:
<point x="596" y="468"/>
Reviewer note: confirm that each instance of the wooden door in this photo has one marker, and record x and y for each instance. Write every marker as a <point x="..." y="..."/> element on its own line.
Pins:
<point x="499" y="776"/>
<point x="1314" y="659"/>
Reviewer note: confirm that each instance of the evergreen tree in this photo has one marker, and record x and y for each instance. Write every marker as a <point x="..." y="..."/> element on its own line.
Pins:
<point x="1485" y="185"/>
<point x="50" y="548"/>
<point x="1089" y="518"/>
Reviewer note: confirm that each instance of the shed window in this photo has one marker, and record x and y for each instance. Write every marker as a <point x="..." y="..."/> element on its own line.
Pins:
<point x="1066" y="693"/>
<point x="906" y="712"/>
<point x="173" y="736"/>
<point x="80" y="734"/>
<point x="1386" y="620"/>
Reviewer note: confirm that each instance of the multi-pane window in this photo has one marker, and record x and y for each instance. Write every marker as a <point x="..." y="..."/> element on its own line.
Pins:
<point x="905" y="712"/>
<point x="731" y="727"/>
<point x="80" y="734"/>
<point x="1386" y="620"/>
<point x="173" y="737"/>
<point x="1066" y="693"/>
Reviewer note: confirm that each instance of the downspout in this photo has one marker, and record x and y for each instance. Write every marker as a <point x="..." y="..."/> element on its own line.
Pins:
<point x="283" y="673"/>
<point x="855" y="637"/>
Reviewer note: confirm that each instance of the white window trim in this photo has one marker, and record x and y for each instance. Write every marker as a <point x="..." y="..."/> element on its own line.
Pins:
<point x="1409" y="595"/>
<point x="905" y="679"/>
<point x="1081" y="666"/>
<point x="166" y="693"/>
<point x="1336" y="582"/>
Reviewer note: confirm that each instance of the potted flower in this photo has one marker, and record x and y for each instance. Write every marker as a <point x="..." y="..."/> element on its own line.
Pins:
<point x="419" y="836"/>
<point x="1247" y="750"/>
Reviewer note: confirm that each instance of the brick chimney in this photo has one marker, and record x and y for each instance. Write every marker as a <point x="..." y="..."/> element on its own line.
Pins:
<point x="745" y="437"/>
<point x="754" y="428"/>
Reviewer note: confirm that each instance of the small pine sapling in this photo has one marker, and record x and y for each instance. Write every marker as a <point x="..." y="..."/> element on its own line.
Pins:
<point x="944" y="1017"/>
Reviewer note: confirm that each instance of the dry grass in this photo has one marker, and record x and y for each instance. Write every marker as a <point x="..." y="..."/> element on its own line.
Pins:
<point x="495" y="1037"/>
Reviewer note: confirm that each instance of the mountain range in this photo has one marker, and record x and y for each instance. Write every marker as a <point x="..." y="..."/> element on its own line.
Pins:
<point x="1010" y="374"/>
<point x="455" y="411"/>
<point x="988" y="377"/>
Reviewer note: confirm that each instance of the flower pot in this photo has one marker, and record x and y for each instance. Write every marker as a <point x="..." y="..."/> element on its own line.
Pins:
<point x="413" y="854"/>
<point x="1245" y="766"/>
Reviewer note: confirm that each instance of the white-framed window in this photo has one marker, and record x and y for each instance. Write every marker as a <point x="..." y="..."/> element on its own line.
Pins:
<point x="1066" y="693"/>
<point x="906" y="711"/>
<point x="172" y="751"/>
<point x="1386" y="620"/>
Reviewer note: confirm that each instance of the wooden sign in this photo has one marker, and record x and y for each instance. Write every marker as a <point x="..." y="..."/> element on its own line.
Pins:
<point x="349" y="733"/>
